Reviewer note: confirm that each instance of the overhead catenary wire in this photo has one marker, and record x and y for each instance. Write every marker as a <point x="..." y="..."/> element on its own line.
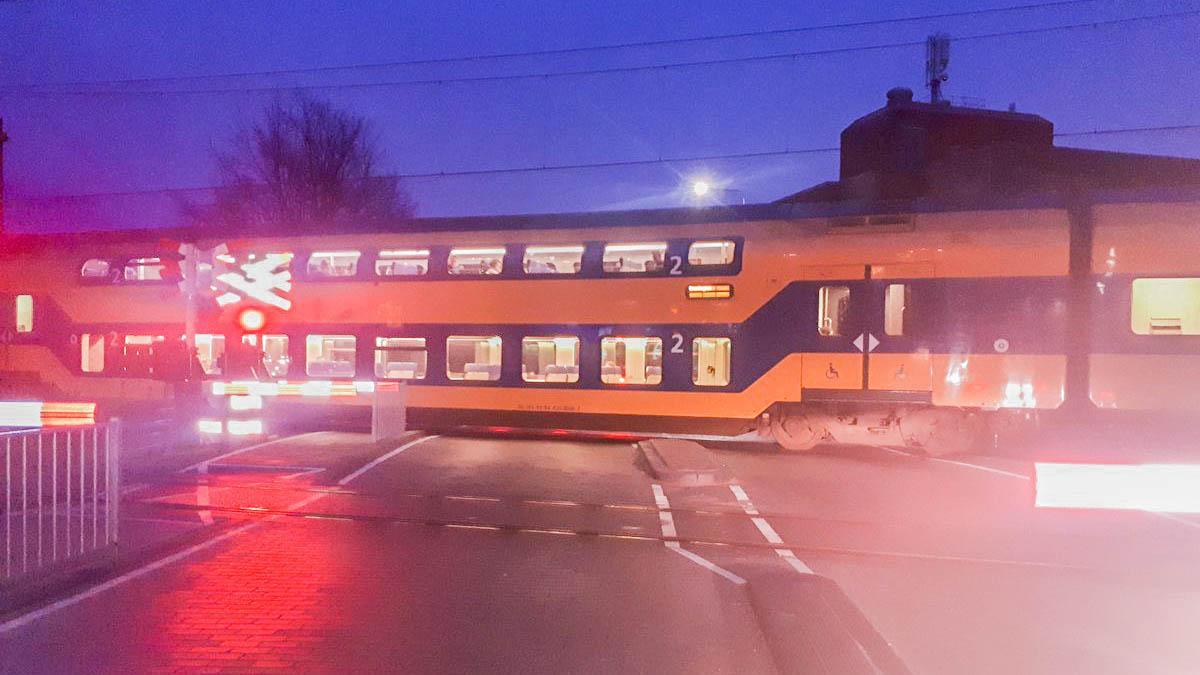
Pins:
<point x="581" y="165"/>
<point x="586" y="72"/>
<point x="866" y="23"/>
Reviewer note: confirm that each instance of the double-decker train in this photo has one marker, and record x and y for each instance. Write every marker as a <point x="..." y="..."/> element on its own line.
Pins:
<point x="923" y="323"/>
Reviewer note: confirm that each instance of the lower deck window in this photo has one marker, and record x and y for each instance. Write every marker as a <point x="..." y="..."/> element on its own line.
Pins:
<point x="274" y="348"/>
<point x="1165" y="306"/>
<point x="210" y="351"/>
<point x="631" y="360"/>
<point x="400" y="358"/>
<point x="144" y="355"/>
<point x="550" y="359"/>
<point x="473" y="357"/>
<point x="24" y="313"/>
<point x="710" y="361"/>
<point x="329" y="355"/>
<point x="91" y="353"/>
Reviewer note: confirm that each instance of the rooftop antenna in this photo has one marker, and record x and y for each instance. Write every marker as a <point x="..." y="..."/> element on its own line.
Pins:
<point x="937" y="59"/>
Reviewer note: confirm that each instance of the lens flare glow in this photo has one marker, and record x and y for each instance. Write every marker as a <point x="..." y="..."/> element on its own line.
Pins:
<point x="1167" y="488"/>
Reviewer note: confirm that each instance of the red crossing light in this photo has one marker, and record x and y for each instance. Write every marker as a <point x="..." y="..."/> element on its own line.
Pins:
<point x="252" y="319"/>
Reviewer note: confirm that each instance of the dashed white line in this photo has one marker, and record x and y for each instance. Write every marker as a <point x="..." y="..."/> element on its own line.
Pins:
<point x="667" y="522"/>
<point x="26" y="619"/>
<point x="767" y="531"/>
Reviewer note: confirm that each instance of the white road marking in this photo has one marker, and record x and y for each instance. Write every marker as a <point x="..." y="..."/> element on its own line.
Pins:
<point x="383" y="458"/>
<point x="203" y="497"/>
<point x="30" y="617"/>
<point x="967" y="465"/>
<point x="248" y="448"/>
<point x="667" y="521"/>
<point x="767" y="531"/>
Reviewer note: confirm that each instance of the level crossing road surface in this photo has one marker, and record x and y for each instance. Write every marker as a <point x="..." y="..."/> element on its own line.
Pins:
<point x="326" y="552"/>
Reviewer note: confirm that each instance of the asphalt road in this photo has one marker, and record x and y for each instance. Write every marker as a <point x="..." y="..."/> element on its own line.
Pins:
<point x="327" y="553"/>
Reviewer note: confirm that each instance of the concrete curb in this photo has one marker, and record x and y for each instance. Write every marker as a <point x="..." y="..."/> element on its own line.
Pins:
<point x="681" y="462"/>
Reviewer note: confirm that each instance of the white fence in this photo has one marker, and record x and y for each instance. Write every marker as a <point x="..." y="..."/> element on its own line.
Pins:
<point x="61" y="494"/>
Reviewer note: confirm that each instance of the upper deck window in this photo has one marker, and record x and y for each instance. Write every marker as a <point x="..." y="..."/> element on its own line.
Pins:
<point x="634" y="258"/>
<point x="402" y="263"/>
<point x="144" y="269"/>
<point x="476" y="260"/>
<point x="711" y="252"/>
<point x="95" y="269"/>
<point x="1165" y="306"/>
<point x="333" y="264"/>
<point x="553" y="259"/>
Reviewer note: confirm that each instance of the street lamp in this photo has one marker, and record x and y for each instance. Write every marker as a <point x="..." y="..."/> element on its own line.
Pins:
<point x="700" y="187"/>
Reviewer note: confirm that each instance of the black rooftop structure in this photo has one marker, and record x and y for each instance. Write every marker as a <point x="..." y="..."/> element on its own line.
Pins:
<point x="909" y="149"/>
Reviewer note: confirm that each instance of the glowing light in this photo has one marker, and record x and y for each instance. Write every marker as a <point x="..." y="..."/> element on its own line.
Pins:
<point x="252" y="320"/>
<point x="534" y="250"/>
<point x="245" y="427"/>
<point x="1169" y="488"/>
<point x="209" y="426"/>
<point x="39" y="414"/>
<point x="476" y="251"/>
<point x="617" y="248"/>
<point x="364" y="387"/>
<point x="21" y="414"/>
<point x="405" y="253"/>
<point x="246" y="402"/>
<point x="709" y="291"/>
<point x="701" y="187"/>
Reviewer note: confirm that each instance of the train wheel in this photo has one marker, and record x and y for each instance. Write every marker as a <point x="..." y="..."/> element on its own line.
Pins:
<point x="950" y="432"/>
<point x="796" y="433"/>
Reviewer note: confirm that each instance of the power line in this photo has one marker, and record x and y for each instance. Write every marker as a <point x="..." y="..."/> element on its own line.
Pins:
<point x="609" y="70"/>
<point x="564" y="51"/>
<point x="585" y="165"/>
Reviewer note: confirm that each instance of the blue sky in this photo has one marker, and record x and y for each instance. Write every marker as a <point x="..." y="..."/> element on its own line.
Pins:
<point x="1134" y="75"/>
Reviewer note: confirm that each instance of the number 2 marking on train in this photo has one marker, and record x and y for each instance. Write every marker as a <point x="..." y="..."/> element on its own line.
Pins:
<point x="676" y="265"/>
<point x="676" y="343"/>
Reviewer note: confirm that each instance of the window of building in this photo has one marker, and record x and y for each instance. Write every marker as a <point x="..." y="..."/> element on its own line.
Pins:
<point x="553" y="259"/>
<point x="400" y="358"/>
<point x="275" y="358"/>
<point x="1165" y="306"/>
<point x="631" y="360"/>
<point x="895" y="308"/>
<point x="402" y="263"/>
<point x="333" y="263"/>
<point x="710" y="361"/>
<point x="210" y="350"/>
<point x="91" y="353"/>
<point x="473" y="357"/>
<point x="711" y="253"/>
<point x="631" y="258"/>
<point x="24" y="313"/>
<point x="329" y="355"/>
<point x="144" y="269"/>
<point x="476" y="260"/>
<point x="550" y="359"/>
<point x="95" y="269"/>
<point x="833" y="307"/>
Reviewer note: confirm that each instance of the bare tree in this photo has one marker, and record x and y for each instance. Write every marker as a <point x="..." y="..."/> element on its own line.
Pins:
<point x="303" y="164"/>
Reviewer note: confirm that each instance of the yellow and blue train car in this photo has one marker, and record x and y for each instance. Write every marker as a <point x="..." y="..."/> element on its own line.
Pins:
<point x="923" y="325"/>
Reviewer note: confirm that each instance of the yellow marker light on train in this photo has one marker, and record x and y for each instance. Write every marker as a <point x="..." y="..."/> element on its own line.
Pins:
<point x="709" y="291"/>
<point x="1166" y="488"/>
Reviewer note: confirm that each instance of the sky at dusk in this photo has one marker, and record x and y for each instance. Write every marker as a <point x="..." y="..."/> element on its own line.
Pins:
<point x="74" y="138"/>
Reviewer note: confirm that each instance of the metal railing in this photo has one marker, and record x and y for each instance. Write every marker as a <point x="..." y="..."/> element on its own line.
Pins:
<point x="61" y="495"/>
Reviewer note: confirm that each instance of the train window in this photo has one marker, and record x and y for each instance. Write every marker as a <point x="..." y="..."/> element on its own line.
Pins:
<point x="896" y="299"/>
<point x="400" y="358"/>
<point x="832" y="307"/>
<point x="402" y="263"/>
<point x="275" y="358"/>
<point x="632" y="258"/>
<point x="710" y="361"/>
<point x="95" y="269"/>
<point x="550" y="359"/>
<point x="142" y="355"/>
<point x="1165" y="306"/>
<point x="473" y="357"/>
<point x="711" y="253"/>
<point x="476" y="260"/>
<point x="24" y="313"/>
<point x="210" y="349"/>
<point x="144" y="269"/>
<point x="333" y="264"/>
<point x="553" y="259"/>
<point x="91" y="353"/>
<point x="329" y="355"/>
<point x="631" y="360"/>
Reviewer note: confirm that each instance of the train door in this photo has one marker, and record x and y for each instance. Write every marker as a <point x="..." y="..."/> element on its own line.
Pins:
<point x="867" y="347"/>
